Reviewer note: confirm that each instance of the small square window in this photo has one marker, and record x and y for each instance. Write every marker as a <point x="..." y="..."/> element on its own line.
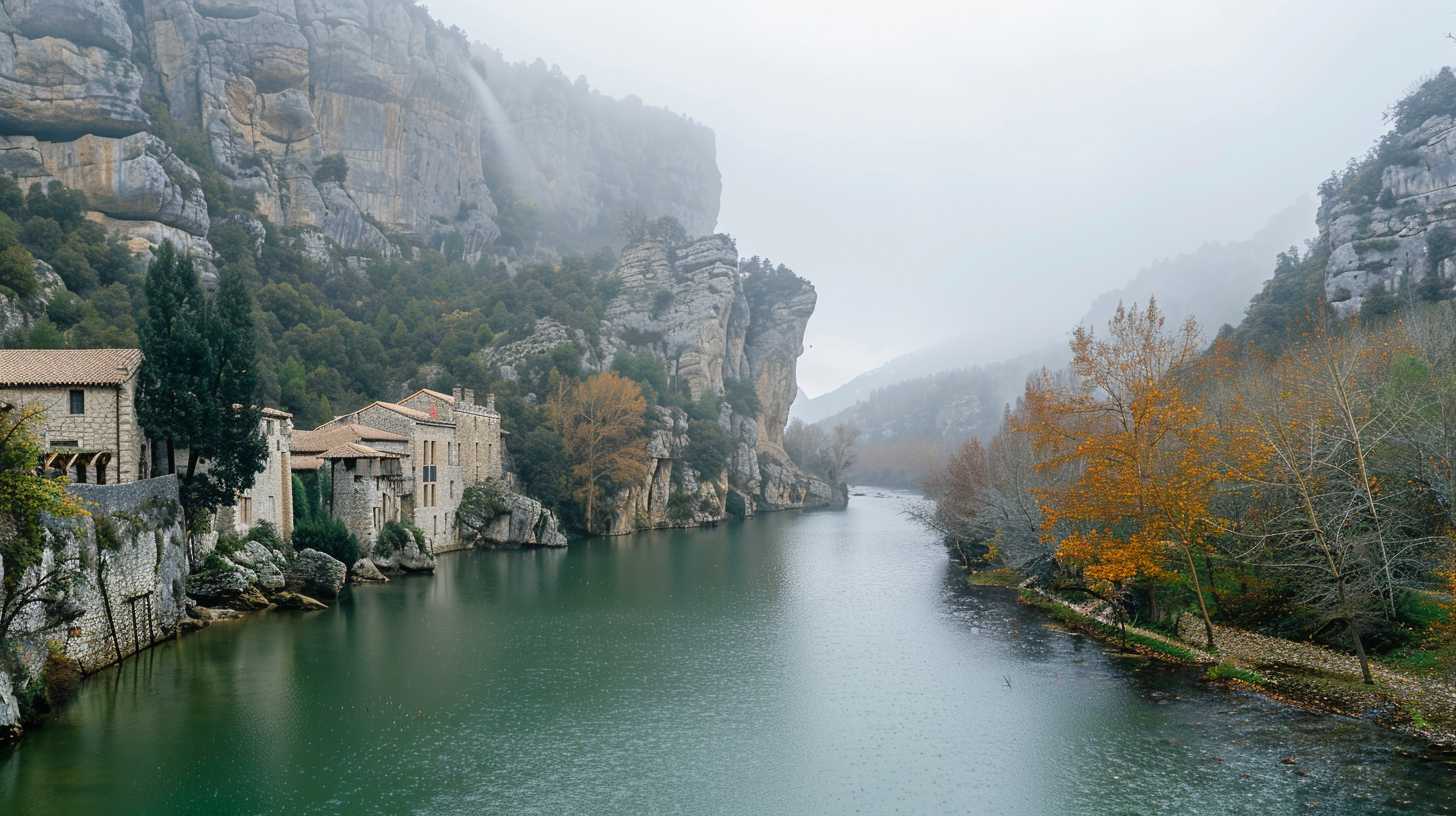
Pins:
<point x="78" y="401"/>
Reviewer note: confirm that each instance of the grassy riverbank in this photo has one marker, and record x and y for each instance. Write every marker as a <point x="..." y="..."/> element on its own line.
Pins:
<point x="1413" y="701"/>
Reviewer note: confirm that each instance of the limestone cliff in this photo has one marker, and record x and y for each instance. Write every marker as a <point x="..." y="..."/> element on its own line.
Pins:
<point x="276" y="87"/>
<point x="1388" y="222"/>
<point x="716" y="331"/>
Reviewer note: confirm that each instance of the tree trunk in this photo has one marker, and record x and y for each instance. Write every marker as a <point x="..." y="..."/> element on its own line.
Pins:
<point x="171" y="457"/>
<point x="1202" y="605"/>
<point x="1360" y="652"/>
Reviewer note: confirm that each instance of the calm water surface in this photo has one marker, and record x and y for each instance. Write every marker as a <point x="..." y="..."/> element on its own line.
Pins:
<point x="798" y="664"/>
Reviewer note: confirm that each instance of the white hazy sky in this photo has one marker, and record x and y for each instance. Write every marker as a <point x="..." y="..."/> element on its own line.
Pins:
<point x="942" y="167"/>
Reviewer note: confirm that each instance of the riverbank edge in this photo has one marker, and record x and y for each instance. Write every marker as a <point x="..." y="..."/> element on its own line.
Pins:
<point x="1299" y="687"/>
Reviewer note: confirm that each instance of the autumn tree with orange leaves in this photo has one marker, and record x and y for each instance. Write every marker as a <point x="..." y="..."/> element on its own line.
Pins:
<point x="1146" y="461"/>
<point x="601" y="425"/>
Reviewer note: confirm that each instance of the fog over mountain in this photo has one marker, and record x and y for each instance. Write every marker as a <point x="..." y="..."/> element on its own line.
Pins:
<point x="940" y="167"/>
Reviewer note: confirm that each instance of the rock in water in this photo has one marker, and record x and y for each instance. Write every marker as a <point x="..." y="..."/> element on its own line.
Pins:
<point x="364" y="572"/>
<point x="265" y="564"/>
<point x="230" y="587"/>
<point x="300" y="603"/>
<point x="314" y="573"/>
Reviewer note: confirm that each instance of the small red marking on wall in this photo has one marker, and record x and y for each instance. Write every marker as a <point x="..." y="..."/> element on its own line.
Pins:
<point x="434" y="411"/>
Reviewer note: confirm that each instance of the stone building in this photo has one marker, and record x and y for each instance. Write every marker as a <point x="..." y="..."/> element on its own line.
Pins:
<point x="89" y="397"/>
<point x="431" y="465"/>
<point x="478" y="435"/>
<point x="368" y="488"/>
<point x="270" y="498"/>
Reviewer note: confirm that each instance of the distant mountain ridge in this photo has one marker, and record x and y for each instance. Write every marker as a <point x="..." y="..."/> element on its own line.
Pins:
<point x="915" y="409"/>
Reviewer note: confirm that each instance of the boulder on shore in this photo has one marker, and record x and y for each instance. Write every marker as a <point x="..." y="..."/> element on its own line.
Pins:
<point x="230" y="587"/>
<point x="301" y="603"/>
<point x="316" y="574"/>
<point x="364" y="572"/>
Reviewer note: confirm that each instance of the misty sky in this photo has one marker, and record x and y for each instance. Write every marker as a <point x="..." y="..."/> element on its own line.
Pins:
<point x="942" y="167"/>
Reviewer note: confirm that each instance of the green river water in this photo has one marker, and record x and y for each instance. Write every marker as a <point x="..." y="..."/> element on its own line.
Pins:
<point x="817" y="663"/>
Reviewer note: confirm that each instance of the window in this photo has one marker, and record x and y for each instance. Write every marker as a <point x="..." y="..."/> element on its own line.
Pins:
<point x="245" y="510"/>
<point x="78" y="401"/>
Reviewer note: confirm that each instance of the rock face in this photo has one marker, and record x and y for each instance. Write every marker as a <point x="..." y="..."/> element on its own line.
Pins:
<point x="135" y="177"/>
<point x="718" y="332"/>
<point x="67" y="69"/>
<point x="17" y="313"/>
<point x="1392" y="224"/>
<point x="276" y="86"/>
<point x="315" y="574"/>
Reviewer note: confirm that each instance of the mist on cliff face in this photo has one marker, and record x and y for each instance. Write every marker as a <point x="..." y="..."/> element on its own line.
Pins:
<point x="979" y="168"/>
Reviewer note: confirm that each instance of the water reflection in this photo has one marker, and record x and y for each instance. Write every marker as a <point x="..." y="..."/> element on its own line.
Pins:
<point x="815" y="663"/>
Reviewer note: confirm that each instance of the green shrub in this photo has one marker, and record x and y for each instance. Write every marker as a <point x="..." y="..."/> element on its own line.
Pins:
<point x="1228" y="671"/>
<point x="327" y="535"/>
<point x="742" y="397"/>
<point x="679" y="507"/>
<point x="333" y="167"/>
<point x="228" y="543"/>
<point x="266" y="534"/>
<point x="215" y="562"/>
<point x="708" y="448"/>
<point x="396" y="536"/>
<point x="108" y="536"/>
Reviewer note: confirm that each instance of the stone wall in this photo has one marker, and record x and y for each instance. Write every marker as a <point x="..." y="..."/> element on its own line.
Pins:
<point x="366" y="495"/>
<point x="270" y="498"/>
<point x="131" y="558"/>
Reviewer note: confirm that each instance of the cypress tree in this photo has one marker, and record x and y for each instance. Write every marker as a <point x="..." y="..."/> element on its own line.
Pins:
<point x="198" y="381"/>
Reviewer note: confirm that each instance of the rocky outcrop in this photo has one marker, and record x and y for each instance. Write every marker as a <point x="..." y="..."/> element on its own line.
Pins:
<point x="66" y="70"/>
<point x="363" y="571"/>
<point x="414" y="112"/>
<point x="226" y="587"/>
<point x="524" y="523"/>
<point x="135" y="177"/>
<point x="1389" y="222"/>
<point x="9" y="709"/>
<point x="276" y="87"/>
<point x="409" y="558"/>
<point x="315" y="574"/>
<point x="720" y="333"/>
<point x="18" y="314"/>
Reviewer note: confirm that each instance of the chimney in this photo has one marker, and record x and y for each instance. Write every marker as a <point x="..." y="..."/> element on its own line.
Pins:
<point x="470" y="396"/>
<point x="490" y="402"/>
<point x="455" y="392"/>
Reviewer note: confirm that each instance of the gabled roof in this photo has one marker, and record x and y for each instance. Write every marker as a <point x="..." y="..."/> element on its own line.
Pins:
<point x="331" y="436"/>
<point x="355" y="450"/>
<point x="304" y="463"/>
<point x="430" y="392"/>
<point x="411" y="413"/>
<point x="274" y="413"/>
<point x="21" y="367"/>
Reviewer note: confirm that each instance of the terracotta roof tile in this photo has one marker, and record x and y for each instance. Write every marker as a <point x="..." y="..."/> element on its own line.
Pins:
<point x="331" y="436"/>
<point x="430" y="392"/>
<point x="20" y="367"/>
<point x="355" y="450"/>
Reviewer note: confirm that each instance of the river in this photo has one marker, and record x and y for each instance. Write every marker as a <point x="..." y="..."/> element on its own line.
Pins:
<point x="812" y="663"/>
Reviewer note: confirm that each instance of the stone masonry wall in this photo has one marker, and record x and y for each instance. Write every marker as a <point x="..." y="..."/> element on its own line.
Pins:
<point x="101" y="427"/>
<point x="131" y="553"/>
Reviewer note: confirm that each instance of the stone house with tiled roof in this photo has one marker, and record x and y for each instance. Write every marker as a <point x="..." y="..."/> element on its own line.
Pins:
<point x="430" y="466"/>
<point x="90" y="430"/>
